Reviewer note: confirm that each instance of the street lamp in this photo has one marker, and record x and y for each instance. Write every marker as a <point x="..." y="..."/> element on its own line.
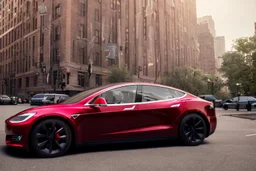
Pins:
<point x="238" y="85"/>
<point x="210" y="82"/>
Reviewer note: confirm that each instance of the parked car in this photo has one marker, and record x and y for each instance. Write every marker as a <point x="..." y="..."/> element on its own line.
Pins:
<point x="37" y="99"/>
<point x="23" y="99"/>
<point x="14" y="100"/>
<point x="243" y="102"/>
<point x="54" y="98"/>
<point x="211" y="98"/>
<point x="46" y="99"/>
<point x="4" y="99"/>
<point x="113" y="113"/>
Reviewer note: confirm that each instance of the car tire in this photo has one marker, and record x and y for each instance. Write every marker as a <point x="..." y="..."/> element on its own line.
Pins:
<point x="225" y="107"/>
<point x="192" y="130"/>
<point x="50" y="138"/>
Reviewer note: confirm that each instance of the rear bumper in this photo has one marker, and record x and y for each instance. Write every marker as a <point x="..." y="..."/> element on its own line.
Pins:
<point x="213" y="124"/>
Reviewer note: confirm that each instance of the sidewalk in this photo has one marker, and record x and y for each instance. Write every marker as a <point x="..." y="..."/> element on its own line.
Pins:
<point x="243" y="113"/>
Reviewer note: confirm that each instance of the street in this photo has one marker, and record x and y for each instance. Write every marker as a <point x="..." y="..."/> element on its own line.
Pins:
<point x="231" y="148"/>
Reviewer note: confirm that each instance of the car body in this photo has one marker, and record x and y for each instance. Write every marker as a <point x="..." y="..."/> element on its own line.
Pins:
<point x="212" y="98"/>
<point x="113" y="113"/>
<point x="4" y="99"/>
<point x="243" y="102"/>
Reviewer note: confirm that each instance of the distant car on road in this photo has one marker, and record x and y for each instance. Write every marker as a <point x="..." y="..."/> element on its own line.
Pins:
<point x="243" y="102"/>
<point x="4" y="99"/>
<point x="113" y="113"/>
<point x="46" y="99"/>
<point x="54" y="98"/>
<point x="211" y="98"/>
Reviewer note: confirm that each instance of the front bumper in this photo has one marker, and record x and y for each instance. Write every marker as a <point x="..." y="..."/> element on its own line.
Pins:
<point x="16" y="135"/>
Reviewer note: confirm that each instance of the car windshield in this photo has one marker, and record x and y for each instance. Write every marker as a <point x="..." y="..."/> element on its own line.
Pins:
<point x="77" y="98"/>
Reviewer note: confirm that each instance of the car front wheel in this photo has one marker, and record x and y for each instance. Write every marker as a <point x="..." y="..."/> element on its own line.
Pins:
<point x="51" y="138"/>
<point x="192" y="130"/>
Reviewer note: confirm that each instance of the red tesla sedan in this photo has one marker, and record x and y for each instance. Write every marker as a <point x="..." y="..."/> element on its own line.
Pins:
<point x="113" y="113"/>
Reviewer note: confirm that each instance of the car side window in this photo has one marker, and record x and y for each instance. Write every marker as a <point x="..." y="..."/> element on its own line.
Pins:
<point x="126" y="94"/>
<point x="154" y="93"/>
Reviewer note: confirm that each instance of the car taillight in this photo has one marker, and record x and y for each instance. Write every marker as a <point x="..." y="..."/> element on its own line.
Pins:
<point x="212" y="106"/>
<point x="211" y="109"/>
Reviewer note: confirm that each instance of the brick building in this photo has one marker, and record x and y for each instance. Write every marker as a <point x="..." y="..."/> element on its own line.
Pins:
<point x="207" y="52"/>
<point x="44" y="43"/>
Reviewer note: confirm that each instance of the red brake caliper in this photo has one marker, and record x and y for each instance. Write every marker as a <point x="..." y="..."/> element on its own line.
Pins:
<point x="57" y="136"/>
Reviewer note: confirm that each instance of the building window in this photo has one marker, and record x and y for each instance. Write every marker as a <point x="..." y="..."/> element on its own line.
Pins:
<point x="97" y="15"/>
<point x="113" y="4"/>
<point x="81" y="31"/>
<point x="82" y="9"/>
<point x="20" y="83"/>
<point x="35" y="80"/>
<point x="27" y="81"/>
<point x="145" y="28"/>
<point x="83" y="57"/>
<point x="57" y="55"/>
<point x="97" y="36"/>
<point x="98" y="80"/>
<point x="97" y="59"/>
<point x="57" y="33"/>
<point x="57" y="11"/>
<point x="81" y="79"/>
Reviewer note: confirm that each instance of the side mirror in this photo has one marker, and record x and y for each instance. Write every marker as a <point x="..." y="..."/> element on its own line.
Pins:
<point x="99" y="102"/>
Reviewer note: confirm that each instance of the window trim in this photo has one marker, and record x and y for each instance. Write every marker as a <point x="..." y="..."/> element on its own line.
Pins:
<point x="137" y="103"/>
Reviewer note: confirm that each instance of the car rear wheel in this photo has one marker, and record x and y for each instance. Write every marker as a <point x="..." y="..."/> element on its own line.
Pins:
<point x="225" y="107"/>
<point x="51" y="138"/>
<point x="193" y="130"/>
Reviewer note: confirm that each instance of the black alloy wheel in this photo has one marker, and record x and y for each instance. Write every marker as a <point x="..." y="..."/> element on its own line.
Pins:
<point x="51" y="138"/>
<point x="193" y="130"/>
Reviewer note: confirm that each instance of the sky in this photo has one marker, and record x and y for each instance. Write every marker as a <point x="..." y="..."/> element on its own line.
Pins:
<point x="233" y="18"/>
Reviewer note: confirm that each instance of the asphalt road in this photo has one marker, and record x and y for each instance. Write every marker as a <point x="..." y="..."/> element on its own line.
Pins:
<point x="231" y="148"/>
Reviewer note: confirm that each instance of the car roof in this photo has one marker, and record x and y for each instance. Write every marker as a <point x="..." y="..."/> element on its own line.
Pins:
<point x="142" y="83"/>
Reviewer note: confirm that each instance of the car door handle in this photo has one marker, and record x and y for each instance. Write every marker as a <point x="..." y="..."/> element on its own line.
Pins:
<point x="129" y="108"/>
<point x="175" y="105"/>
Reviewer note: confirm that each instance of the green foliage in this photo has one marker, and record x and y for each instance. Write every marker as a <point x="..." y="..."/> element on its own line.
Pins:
<point x="240" y="66"/>
<point x="192" y="81"/>
<point x="119" y="75"/>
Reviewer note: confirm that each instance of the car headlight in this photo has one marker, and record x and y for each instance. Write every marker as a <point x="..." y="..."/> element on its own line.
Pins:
<point x="22" y="118"/>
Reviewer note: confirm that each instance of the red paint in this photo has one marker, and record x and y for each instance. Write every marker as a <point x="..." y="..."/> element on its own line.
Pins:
<point x="114" y="122"/>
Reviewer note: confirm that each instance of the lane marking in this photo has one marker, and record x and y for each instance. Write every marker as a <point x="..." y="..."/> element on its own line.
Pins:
<point x="250" y="135"/>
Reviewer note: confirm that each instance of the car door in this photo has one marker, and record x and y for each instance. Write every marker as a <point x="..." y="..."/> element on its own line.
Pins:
<point x="159" y="108"/>
<point x="115" y="121"/>
<point x="233" y="104"/>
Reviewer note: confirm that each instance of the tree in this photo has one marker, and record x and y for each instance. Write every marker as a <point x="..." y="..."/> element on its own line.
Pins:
<point x="192" y="81"/>
<point x="240" y="66"/>
<point x="119" y="75"/>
